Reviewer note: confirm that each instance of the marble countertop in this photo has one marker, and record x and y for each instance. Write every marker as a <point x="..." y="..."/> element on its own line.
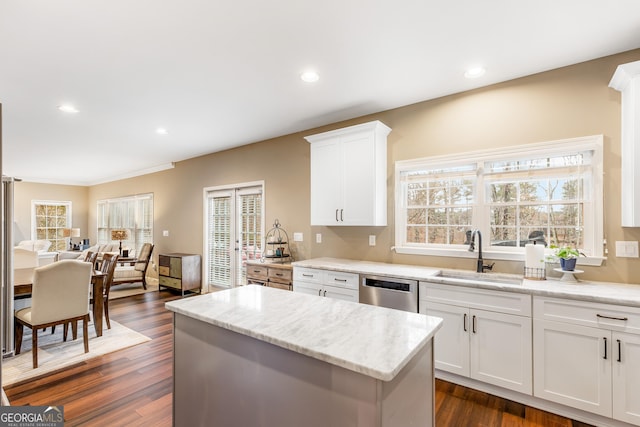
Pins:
<point x="603" y="292"/>
<point x="374" y="341"/>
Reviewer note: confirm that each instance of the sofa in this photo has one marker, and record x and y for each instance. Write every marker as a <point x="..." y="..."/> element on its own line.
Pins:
<point x="111" y="248"/>
<point x="41" y="247"/>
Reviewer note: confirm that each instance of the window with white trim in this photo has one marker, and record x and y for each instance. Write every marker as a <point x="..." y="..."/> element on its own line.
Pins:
<point x="132" y="213"/>
<point x="550" y="193"/>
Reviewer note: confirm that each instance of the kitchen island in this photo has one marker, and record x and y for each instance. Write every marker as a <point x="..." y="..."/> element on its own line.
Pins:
<point x="257" y="356"/>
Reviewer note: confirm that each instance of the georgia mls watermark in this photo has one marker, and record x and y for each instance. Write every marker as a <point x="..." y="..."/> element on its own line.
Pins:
<point x="31" y="416"/>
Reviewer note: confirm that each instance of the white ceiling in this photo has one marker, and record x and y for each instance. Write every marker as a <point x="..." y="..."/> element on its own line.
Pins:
<point x="219" y="74"/>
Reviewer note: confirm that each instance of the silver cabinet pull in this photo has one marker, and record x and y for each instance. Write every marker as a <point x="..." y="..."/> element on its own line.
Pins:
<point x="307" y="275"/>
<point x="319" y="292"/>
<point x="624" y="319"/>
<point x="342" y="215"/>
<point x="339" y="280"/>
<point x="325" y="293"/>
<point x="337" y="215"/>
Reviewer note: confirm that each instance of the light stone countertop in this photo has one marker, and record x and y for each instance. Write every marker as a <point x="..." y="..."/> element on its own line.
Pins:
<point x="374" y="341"/>
<point x="602" y="292"/>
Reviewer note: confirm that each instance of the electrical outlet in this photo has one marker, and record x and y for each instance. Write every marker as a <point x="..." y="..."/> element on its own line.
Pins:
<point x="165" y="233"/>
<point x="318" y="238"/>
<point x="298" y="237"/>
<point x="372" y="240"/>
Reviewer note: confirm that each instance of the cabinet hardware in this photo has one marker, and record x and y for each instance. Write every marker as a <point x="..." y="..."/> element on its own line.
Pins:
<point x="256" y="271"/>
<point x="464" y="322"/>
<point x="325" y="294"/>
<point x="619" y="351"/>
<point x="319" y="292"/>
<point x="624" y="319"/>
<point x="473" y="324"/>
<point x="337" y="215"/>
<point x="605" y="347"/>
<point x="342" y="215"/>
<point x="339" y="280"/>
<point x="307" y="275"/>
<point x="279" y="274"/>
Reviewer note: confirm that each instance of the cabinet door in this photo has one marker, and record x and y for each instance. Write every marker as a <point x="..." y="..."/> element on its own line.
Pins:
<point x="626" y="377"/>
<point x="326" y="179"/>
<point x="359" y="178"/>
<point x="340" y="293"/>
<point x="501" y="349"/>
<point x="307" y="288"/>
<point x="451" y="343"/>
<point x="570" y="366"/>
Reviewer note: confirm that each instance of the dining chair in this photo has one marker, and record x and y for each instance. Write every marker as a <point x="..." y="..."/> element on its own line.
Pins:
<point x="109" y="262"/>
<point x="59" y="295"/>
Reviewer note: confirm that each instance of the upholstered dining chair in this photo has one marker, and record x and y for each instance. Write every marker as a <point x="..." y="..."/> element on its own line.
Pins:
<point x="59" y="295"/>
<point x="136" y="272"/>
<point x="109" y="262"/>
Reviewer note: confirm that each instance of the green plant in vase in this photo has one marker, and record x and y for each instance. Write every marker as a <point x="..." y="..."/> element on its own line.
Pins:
<point x="567" y="255"/>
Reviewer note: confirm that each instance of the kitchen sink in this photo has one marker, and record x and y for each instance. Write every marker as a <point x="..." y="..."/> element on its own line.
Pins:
<point x="470" y="277"/>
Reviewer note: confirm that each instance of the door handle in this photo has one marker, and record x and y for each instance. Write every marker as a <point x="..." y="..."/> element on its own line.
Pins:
<point x="337" y="215"/>
<point x="464" y="322"/>
<point x="605" y="347"/>
<point x="619" y="351"/>
<point x="473" y="324"/>
<point x="325" y="294"/>
<point x="342" y="215"/>
<point x="319" y="292"/>
<point x="624" y="319"/>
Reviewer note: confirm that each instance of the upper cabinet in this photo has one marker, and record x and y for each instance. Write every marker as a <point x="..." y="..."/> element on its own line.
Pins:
<point x="349" y="175"/>
<point x="626" y="79"/>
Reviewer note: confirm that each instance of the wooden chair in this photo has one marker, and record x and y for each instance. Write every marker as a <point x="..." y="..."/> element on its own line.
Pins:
<point x="136" y="272"/>
<point x="91" y="257"/>
<point x="60" y="295"/>
<point x="109" y="262"/>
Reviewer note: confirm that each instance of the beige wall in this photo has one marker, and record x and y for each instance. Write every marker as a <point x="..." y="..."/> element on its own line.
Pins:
<point x="26" y="192"/>
<point x="564" y="103"/>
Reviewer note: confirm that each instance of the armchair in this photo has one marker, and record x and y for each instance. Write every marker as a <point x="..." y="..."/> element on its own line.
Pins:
<point x="138" y="271"/>
<point x="59" y="296"/>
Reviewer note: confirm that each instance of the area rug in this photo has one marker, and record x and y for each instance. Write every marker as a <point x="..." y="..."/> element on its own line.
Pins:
<point x="54" y="354"/>
<point x="129" y="289"/>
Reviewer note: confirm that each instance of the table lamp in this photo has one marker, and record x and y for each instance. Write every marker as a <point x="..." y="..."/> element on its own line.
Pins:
<point x="119" y="235"/>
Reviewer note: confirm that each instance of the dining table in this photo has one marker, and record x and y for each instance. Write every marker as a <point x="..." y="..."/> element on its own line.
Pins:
<point x="23" y="282"/>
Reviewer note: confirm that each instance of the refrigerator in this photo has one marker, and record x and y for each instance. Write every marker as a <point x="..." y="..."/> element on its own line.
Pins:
<point x="6" y="266"/>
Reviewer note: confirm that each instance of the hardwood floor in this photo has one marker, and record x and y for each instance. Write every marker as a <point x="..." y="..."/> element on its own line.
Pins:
<point x="132" y="387"/>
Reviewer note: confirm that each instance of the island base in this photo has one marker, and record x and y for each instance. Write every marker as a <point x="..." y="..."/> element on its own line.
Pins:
<point x="222" y="378"/>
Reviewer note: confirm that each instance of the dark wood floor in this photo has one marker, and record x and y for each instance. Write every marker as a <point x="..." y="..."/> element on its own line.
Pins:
<point x="132" y="387"/>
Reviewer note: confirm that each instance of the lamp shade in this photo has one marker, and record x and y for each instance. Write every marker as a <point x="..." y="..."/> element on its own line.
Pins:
<point x="75" y="232"/>
<point x="119" y="235"/>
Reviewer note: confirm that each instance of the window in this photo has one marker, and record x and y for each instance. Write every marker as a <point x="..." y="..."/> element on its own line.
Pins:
<point x="550" y="193"/>
<point x="133" y="213"/>
<point x="234" y="229"/>
<point x="49" y="219"/>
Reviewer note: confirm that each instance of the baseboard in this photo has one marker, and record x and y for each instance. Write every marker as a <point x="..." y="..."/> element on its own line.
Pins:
<point x="534" y="402"/>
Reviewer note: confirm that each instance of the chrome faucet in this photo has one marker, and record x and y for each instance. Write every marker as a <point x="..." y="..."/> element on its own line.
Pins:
<point x="481" y="267"/>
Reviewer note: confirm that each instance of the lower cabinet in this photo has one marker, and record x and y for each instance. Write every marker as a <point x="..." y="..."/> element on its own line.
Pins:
<point x="487" y="345"/>
<point x="270" y="275"/>
<point x="587" y="356"/>
<point x="325" y="283"/>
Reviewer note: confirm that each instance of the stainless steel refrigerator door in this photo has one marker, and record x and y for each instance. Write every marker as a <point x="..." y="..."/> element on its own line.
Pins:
<point x="6" y="264"/>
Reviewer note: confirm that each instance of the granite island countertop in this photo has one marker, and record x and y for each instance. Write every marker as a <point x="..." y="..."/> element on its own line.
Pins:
<point x="583" y="290"/>
<point x="373" y="341"/>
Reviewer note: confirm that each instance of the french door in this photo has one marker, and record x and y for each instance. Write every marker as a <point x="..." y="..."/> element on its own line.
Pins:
<point x="234" y="227"/>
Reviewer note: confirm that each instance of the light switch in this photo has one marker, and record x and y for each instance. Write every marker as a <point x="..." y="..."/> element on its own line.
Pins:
<point x="297" y="237"/>
<point x="372" y="240"/>
<point x="318" y="238"/>
<point x="627" y="249"/>
<point x="165" y="233"/>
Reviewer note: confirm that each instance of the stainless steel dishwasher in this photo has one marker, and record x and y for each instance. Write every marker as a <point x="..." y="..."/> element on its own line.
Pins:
<point x="391" y="292"/>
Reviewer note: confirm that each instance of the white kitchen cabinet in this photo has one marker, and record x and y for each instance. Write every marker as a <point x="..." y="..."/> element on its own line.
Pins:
<point x="587" y="356"/>
<point x="325" y="283"/>
<point x="349" y="176"/>
<point x="480" y="339"/>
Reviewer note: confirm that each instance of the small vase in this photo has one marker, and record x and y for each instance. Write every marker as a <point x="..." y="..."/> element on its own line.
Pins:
<point x="568" y="264"/>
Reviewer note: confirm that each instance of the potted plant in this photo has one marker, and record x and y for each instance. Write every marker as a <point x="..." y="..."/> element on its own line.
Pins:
<point x="567" y="255"/>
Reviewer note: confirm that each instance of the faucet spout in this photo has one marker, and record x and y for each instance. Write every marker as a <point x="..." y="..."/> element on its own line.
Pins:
<point x="480" y="266"/>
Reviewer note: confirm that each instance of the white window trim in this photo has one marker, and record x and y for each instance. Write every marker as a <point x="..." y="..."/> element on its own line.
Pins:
<point x="67" y="203"/>
<point x="595" y="235"/>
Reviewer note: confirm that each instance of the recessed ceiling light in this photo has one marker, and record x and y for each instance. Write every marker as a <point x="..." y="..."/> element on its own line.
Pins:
<point x="161" y="131"/>
<point x="474" y="72"/>
<point x="310" y="76"/>
<point x="67" y="108"/>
